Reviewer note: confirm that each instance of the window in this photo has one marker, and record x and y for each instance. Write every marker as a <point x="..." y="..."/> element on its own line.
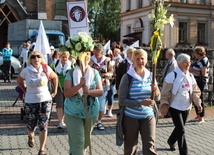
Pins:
<point x="201" y="33"/>
<point x="128" y="5"/>
<point x="60" y="8"/>
<point x="184" y="1"/>
<point x="128" y="29"/>
<point x="201" y="1"/>
<point x="182" y="32"/>
<point x="139" y="4"/>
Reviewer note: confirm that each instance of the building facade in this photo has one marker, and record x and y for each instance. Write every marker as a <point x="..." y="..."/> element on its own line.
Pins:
<point x="194" y="23"/>
<point x="16" y="10"/>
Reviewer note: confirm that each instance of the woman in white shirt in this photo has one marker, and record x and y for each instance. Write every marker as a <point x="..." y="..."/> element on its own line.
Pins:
<point x="38" y="100"/>
<point x="178" y="92"/>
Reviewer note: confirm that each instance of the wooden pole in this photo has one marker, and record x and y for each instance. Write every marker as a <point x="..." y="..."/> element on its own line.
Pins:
<point x="86" y="112"/>
<point x="153" y="79"/>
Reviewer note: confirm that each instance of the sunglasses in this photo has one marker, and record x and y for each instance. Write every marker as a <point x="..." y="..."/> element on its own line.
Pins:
<point x="35" y="56"/>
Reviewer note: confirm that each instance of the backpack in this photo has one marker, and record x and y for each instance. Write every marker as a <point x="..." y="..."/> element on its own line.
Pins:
<point x="50" y="82"/>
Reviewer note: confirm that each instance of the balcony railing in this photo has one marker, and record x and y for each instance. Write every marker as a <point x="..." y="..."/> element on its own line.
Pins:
<point x="206" y="2"/>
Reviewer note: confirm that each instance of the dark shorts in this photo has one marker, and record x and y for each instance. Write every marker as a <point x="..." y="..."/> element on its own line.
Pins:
<point x="59" y="98"/>
<point x="38" y="115"/>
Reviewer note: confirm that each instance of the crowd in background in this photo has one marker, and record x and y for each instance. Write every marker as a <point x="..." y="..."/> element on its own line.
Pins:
<point x="112" y="65"/>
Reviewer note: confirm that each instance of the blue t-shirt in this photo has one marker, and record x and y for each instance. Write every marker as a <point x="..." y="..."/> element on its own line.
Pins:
<point x="75" y="105"/>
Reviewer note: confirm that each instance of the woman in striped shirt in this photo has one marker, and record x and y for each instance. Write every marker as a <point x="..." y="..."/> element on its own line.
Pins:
<point x="200" y="70"/>
<point x="138" y="115"/>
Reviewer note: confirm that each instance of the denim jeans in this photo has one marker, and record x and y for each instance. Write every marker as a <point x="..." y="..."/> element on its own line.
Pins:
<point x="110" y="95"/>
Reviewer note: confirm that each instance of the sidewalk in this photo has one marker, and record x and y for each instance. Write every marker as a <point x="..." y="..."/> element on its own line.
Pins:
<point x="10" y="117"/>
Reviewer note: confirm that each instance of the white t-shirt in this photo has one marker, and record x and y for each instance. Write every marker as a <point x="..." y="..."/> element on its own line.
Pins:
<point x="24" y="55"/>
<point x="37" y="89"/>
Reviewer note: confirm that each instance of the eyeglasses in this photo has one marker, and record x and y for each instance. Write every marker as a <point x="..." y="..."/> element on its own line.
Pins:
<point x="35" y="56"/>
<point x="186" y="62"/>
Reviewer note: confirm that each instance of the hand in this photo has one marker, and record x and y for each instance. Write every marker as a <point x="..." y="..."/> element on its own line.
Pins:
<point x="191" y="69"/>
<point x="164" y="109"/>
<point x="104" y="75"/>
<point x="82" y="81"/>
<point x="53" y="94"/>
<point x="154" y="87"/>
<point x="85" y="89"/>
<point x="148" y="102"/>
<point x="199" y="109"/>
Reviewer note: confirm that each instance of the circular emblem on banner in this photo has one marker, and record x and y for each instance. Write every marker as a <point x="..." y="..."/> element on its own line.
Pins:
<point x="77" y="13"/>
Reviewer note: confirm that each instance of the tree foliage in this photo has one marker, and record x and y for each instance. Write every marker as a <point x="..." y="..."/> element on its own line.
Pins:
<point x="104" y="17"/>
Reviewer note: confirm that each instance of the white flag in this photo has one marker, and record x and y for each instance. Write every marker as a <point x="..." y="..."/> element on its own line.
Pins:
<point x="107" y="47"/>
<point x="135" y="44"/>
<point x="42" y="43"/>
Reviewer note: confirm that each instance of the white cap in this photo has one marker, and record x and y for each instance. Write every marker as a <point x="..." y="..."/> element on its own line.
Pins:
<point x="52" y="48"/>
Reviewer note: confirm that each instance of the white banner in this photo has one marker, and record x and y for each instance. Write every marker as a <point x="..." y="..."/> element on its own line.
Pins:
<point x="77" y="17"/>
<point x="135" y="44"/>
<point x="107" y="47"/>
<point x="42" y="43"/>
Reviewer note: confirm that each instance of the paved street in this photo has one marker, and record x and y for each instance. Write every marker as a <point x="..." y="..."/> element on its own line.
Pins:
<point x="13" y="135"/>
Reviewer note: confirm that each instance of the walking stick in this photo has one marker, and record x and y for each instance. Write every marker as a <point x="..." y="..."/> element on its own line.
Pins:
<point x="86" y="111"/>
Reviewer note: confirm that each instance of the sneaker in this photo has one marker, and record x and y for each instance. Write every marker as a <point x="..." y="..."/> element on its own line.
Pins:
<point x="104" y="111"/>
<point x="194" y="120"/>
<point x="110" y="113"/>
<point x="60" y="126"/>
<point x="63" y="124"/>
<point x="199" y="122"/>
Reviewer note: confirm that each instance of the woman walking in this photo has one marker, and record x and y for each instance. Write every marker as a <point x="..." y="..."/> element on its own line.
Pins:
<point x="178" y="92"/>
<point x="75" y="88"/>
<point x="38" y="100"/>
<point x="200" y="70"/>
<point x="134" y="98"/>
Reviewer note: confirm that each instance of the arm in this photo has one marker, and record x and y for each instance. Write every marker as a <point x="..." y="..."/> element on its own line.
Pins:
<point x="196" y="93"/>
<point x="98" y="91"/>
<point x="203" y="71"/>
<point x="119" y="73"/>
<point x="124" y="92"/>
<point x="156" y="90"/>
<point x="123" y="95"/>
<point x="54" y="78"/>
<point x="165" y="97"/>
<point x="94" y="92"/>
<point x="196" y="97"/>
<point x="21" y="58"/>
<point x="69" y="89"/>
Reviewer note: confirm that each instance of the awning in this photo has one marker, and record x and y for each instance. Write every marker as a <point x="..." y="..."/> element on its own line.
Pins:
<point x="134" y="35"/>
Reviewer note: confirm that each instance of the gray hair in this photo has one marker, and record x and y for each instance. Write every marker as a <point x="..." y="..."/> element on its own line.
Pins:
<point x="171" y="51"/>
<point x="182" y="57"/>
<point x="99" y="47"/>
